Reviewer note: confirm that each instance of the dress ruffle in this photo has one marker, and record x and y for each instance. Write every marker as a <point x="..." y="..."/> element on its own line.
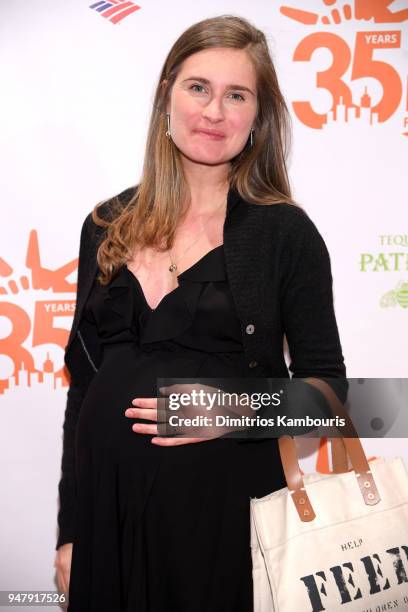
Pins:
<point x="122" y="309"/>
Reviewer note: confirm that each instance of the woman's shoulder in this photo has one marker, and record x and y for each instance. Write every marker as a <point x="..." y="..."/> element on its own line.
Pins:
<point x="108" y="209"/>
<point x="91" y="232"/>
<point x="285" y="210"/>
<point x="290" y="221"/>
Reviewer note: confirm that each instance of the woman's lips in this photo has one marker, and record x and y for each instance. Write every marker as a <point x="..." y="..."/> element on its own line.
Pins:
<point x="210" y="135"/>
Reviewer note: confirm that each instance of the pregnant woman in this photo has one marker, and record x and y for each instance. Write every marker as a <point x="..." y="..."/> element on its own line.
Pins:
<point x="197" y="271"/>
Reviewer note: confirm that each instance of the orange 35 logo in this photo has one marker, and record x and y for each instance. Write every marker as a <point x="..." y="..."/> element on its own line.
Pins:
<point x="28" y="338"/>
<point x="369" y="56"/>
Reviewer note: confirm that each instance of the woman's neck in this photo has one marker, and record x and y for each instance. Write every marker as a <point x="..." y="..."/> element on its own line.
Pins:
<point x="208" y="187"/>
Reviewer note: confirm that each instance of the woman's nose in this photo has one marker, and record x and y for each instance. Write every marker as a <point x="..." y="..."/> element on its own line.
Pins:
<point x="213" y="110"/>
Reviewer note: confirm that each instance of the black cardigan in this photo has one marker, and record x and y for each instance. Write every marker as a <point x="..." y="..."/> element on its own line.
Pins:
<point x="279" y="272"/>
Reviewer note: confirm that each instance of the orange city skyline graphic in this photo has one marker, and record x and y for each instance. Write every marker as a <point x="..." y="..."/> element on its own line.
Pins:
<point x="41" y="326"/>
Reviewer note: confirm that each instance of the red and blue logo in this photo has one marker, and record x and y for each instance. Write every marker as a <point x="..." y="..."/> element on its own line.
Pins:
<point x="114" y="10"/>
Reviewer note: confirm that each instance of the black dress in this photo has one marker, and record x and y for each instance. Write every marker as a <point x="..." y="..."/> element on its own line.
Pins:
<point x="164" y="529"/>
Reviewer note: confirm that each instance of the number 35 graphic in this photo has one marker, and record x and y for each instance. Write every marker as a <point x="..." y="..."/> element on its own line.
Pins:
<point x="44" y="330"/>
<point x="363" y="66"/>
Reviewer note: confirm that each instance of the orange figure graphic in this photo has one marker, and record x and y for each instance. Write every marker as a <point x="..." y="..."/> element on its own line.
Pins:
<point x="376" y="10"/>
<point x="41" y="278"/>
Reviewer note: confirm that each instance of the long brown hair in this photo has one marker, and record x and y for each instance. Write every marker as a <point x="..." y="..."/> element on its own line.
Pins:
<point x="258" y="173"/>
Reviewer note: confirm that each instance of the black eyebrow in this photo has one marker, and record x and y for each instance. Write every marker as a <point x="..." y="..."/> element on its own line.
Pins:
<point x="207" y="82"/>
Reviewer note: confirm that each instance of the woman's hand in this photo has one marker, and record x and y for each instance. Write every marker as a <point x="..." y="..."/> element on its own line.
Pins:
<point x="146" y="408"/>
<point x="62" y="564"/>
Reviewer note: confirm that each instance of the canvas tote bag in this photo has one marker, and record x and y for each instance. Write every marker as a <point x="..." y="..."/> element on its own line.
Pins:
<point x="335" y="542"/>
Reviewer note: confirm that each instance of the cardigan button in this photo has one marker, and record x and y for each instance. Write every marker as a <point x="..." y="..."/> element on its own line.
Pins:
<point x="253" y="364"/>
<point x="250" y="328"/>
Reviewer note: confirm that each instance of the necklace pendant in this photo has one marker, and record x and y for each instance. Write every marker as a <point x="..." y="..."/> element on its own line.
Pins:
<point x="173" y="267"/>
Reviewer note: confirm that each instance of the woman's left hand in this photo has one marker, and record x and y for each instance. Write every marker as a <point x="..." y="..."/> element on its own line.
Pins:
<point x="146" y="408"/>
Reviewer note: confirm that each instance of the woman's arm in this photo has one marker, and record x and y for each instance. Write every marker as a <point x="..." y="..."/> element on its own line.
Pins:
<point x="81" y="371"/>
<point x="307" y="311"/>
<point x="308" y="320"/>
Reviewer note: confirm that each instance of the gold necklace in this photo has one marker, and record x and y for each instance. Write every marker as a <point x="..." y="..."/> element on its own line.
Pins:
<point x="173" y="266"/>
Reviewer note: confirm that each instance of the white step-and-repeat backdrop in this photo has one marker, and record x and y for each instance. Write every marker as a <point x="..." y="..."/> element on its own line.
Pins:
<point x="77" y="81"/>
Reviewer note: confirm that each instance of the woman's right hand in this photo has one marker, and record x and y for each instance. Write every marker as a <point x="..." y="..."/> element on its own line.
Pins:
<point x="62" y="564"/>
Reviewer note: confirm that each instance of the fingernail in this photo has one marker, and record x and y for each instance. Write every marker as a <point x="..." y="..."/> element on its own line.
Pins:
<point x="135" y="401"/>
<point x="129" y="412"/>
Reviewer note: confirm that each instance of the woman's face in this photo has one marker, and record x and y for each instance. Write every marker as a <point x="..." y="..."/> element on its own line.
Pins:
<point x="215" y="90"/>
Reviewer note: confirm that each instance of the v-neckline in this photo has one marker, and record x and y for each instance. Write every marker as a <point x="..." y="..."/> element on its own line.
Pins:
<point x="142" y="293"/>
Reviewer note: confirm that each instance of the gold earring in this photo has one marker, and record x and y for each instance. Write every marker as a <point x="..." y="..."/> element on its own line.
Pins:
<point x="168" y="125"/>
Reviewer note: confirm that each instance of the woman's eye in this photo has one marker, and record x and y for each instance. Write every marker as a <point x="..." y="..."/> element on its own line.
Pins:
<point x="196" y="85"/>
<point x="233" y="94"/>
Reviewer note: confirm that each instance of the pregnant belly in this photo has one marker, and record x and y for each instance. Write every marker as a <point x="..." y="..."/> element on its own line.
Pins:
<point x="127" y="372"/>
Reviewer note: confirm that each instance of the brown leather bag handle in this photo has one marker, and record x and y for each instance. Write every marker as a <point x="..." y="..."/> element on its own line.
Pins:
<point x="339" y="455"/>
<point x="353" y="447"/>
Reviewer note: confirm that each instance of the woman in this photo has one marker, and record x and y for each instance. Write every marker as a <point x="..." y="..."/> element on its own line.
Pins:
<point x="199" y="271"/>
